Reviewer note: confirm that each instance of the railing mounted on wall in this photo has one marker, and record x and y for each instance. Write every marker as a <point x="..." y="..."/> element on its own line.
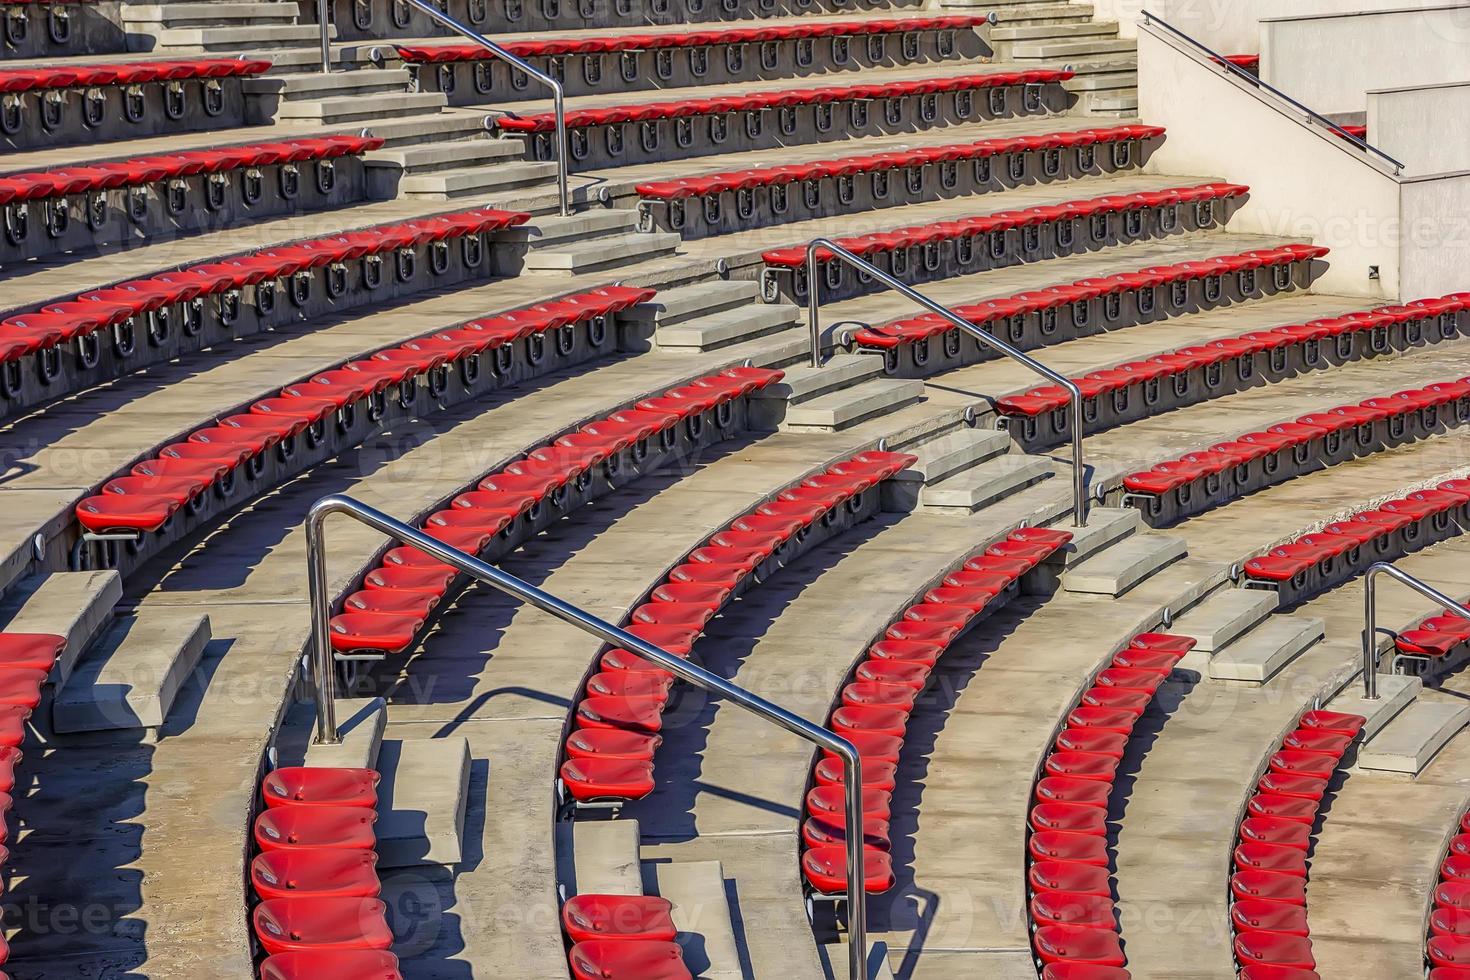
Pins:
<point x="1370" y="616"/>
<point x="1074" y="393"/>
<point x="324" y="674"/>
<point x="1224" y="64"/>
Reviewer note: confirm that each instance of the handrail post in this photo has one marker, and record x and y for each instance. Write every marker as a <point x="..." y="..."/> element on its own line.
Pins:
<point x="1370" y="616"/>
<point x="557" y="95"/>
<point x="1074" y="393"/>
<point x="324" y="674"/>
<point x="324" y="21"/>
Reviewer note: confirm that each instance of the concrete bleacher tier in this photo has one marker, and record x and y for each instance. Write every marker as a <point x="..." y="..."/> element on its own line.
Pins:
<point x="1136" y="745"/>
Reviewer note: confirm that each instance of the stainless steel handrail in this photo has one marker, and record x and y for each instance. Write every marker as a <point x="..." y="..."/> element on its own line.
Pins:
<point x="1074" y="393"/>
<point x="324" y="674"/>
<point x="558" y="98"/>
<point x="323" y="18"/>
<point x="1235" y="69"/>
<point x="1370" y="616"/>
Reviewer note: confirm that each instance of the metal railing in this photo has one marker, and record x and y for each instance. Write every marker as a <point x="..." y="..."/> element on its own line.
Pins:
<point x="1074" y="393"/>
<point x="1370" y="616"/>
<point x="324" y="675"/>
<point x="558" y="98"/>
<point x="1234" y="69"/>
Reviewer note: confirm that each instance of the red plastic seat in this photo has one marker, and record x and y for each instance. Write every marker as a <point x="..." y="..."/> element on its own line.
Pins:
<point x="1083" y="971"/>
<point x="1070" y="878"/>
<point x="1073" y="818"/>
<point x="325" y="872"/>
<point x="30" y="651"/>
<point x="635" y="714"/>
<point x="1078" y="944"/>
<point x="21" y="687"/>
<point x="1051" y="845"/>
<point x="595" y="778"/>
<point x="294" y="827"/>
<point x="1274" y="948"/>
<point x="1250" y="856"/>
<point x="1067" y="789"/>
<point x="1073" y="909"/>
<point x="287" y="924"/>
<point x="588" y="917"/>
<point x="825" y="868"/>
<point x="320" y="786"/>
<point x="830" y="802"/>
<point x="357" y="964"/>
<point x="1271" y="886"/>
<point x="1259" y="915"/>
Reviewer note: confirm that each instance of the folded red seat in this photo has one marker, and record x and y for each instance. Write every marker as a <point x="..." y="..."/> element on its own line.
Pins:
<point x="320" y="786"/>
<point x="594" y="778"/>
<point x="1077" y="944"/>
<point x="628" y="959"/>
<point x="294" y="827"/>
<point x="1068" y="877"/>
<point x="1068" y="818"/>
<point x="1274" y="948"/>
<point x="353" y="964"/>
<point x="1073" y="909"/>
<point x="1301" y="809"/>
<point x="354" y="632"/>
<point x="288" y="924"/>
<point x="587" y="917"/>
<point x="315" y="872"/>
<point x="825" y="868"/>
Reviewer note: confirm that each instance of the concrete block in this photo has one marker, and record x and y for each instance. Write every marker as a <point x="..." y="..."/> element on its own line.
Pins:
<point x="421" y="801"/>
<point x="131" y="679"/>
<point x="701" y="913"/>
<point x="1115" y="570"/>
<point x="990" y="481"/>
<point x="360" y="725"/>
<point x="726" y="327"/>
<point x="601" y="856"/>
<point x="1259" y="654"/>
<point x="847" y="407"/>
<point x="1410" y="740"/>
<point x="1105" y="525"/>
<point x="1224" y="616"/>
<point x="1395" y="693"/>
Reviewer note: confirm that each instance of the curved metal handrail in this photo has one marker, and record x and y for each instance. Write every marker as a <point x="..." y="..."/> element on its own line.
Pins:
<point x="1370" y="616"/>
<point x="1074" y="393"/>
<point x="1235" y="69"/>
<point x="324" y="674"/>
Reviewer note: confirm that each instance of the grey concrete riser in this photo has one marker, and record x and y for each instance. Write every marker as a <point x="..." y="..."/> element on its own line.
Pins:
<point x="964" y="256"/>
<point x="60" y="30"/>
<point x="494" y="82"/>
<point x="1388" y="547"/>
<point x="342" y="431"/>
<point x="736" y="211"/>
<point x="1035" y="331"/>
<point x="1202" y="384"/>
<point x="366" y="19"/>
<point x="629" y="467"/>
<point x="188" y="327"/>
<point x="59" y="117"/>
<point x="1340" y="447"/>
<point x="153" y="213"/>
<point x="625" y="144"/>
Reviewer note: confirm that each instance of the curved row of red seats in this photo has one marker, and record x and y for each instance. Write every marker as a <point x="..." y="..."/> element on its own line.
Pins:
<point x="315" y="874"/>
<point x="916" y="329"/>
<point x="618" y="718"/>
<point x="1268" y="907"/>
<point x="541" y="122"/>
<point x="14" y="80"/>
<point x="26" y="660"/>
<point x="1001" y="221"/>
<point x="1448" y="946"/>
<point x="555" y="47"/>
<point x="875" y="708"/>
<point x="1076" y="932"/>
<point x="1439" y="635"/>
<point x="68" y="181"/>
<point x="1049" y="398"/>
<point x="100" y="309"/>
<point x="1286" y="436"/>
<point x="896" y="159"/>
<point x="398" y="596"/>
<point x="1285" y="562"/>
<point x="154" y="490"/>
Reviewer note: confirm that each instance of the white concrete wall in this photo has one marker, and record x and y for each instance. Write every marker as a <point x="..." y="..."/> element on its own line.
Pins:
<point x="1232" y="26"/>
<point x="1330" y="62"/>
<point x="1304" y="183"/>
<point x="1435" y="238"/>
<point x="1427" y="127"/>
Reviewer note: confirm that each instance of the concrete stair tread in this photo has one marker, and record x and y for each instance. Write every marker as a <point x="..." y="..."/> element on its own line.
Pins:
<point x="361" y="723"/>
<point x="304" y="85"/>
<point x="421" y="801"/>
<point x="849" y="406"/>
<point x="76" y="605"/>
<point x="1103" y="81"/>
<point x="599" y="252"/>
<point x="1105" y="527"/>
<point x="1259" y="653"/>
<point x="701" y="913"/>
<point x="448" y="155"/>
<point x="215" y="12"/>
<point x="1101" y="28"/>
<point x="601" y="855"/>
<point x="247" y="37"/>
<point x="1115" y="570"/>
<point x="131" y="678"/>
<point x="979" y="485"/>
<point x="1224" y="616"/>
<point x="1046" y="50"/>
<point x="472" y="180"/>
<point x="542" y="231"/>
<point x="804" y="383"/>
<point x="353" y="109"/>
<point x="673" y="306"/>
<point x="952" y="452"/>
<point x="1410" y="740"/>
<point x="1395" y="692"/>
<point x="727" y="327"/>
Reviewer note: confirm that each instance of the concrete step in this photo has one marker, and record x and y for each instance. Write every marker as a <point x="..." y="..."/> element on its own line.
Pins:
<point x="1395" y="693"/>
<point x="1260" y="653"/>
<point x="600" y="857"/>
<point x="301" y="86"/>
<point x="1063" y="50"/>
<point x="1115" y="570"/>
<point x="421" y="801"/>
<point x="728" y="327"/>
<point x="131" y="678"/>
<point x="838" y="410"/>
<point x="426" y="158"/>
<point x="701" y="913"/>
<point x="252" y="38"/>
<point x="1224" y="616"/>
<point x="1039" y="32"/>
<point x="601" y="252"/>
<point x="1120" y="103"/>
<point x="1105" y="526"/>
<point x="361" y="723"/>
<point x="971" y="489"/>
<point x="956" y="450"/>
<point x="804" y="383"/>
<point x="448" y="185"/>
<point x="576" y="228"/>
<point x="684" y="303"/>
<point x="1410" y="740"/>
<point x="209" y="14"/>
<point x="348" y="109"/>
<point x="76" y="605"/>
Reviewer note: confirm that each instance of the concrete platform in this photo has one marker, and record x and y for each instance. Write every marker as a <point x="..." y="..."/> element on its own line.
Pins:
<point x="1119" y="568"/>
<point x="1410" y="740"/>
<point x="421" y="801"/>
<point x="132" y="677"/>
